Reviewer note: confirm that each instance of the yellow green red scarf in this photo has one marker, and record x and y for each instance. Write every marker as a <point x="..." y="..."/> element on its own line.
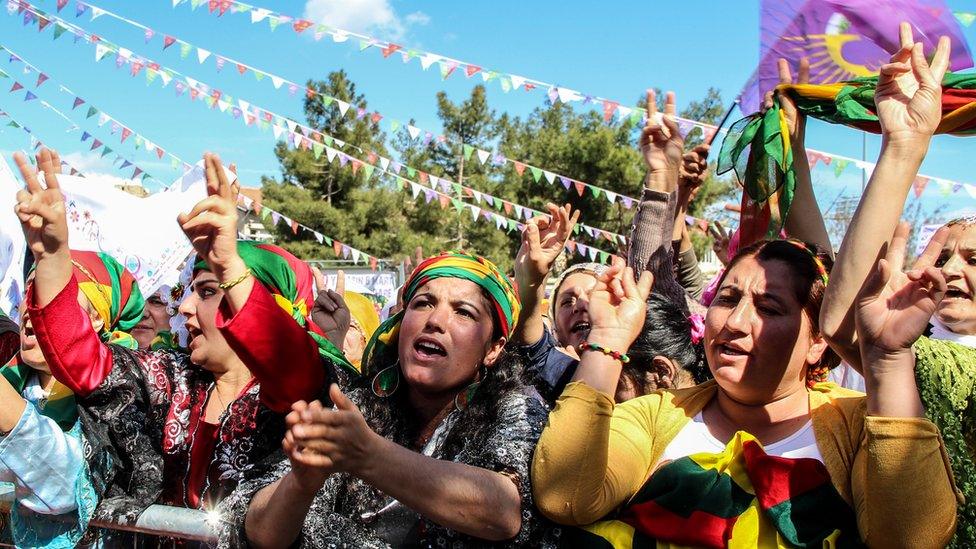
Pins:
<point x="741" y="497"/>
<point x="758" y="146"/>
<point x="382" y="347"/>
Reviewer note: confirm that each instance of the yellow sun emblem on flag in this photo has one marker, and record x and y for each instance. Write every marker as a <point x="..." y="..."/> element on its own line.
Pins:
<point x="826" y="52"/>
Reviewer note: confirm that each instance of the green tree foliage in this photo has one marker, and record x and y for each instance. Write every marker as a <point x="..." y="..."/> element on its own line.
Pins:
<point x="376" y="216"/>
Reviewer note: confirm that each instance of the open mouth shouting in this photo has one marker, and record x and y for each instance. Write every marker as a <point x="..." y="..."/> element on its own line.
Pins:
<point x="427" y="348"/>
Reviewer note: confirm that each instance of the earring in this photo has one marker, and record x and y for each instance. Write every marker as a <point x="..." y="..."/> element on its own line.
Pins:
<point x="462" y="399"/>
<point x="387" y="380"/>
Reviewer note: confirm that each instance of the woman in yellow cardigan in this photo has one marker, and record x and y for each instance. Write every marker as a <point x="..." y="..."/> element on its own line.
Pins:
<point x="764" y="455"/>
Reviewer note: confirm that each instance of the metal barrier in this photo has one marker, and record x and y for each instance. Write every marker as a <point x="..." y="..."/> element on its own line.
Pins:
<point x="157" y="520"/>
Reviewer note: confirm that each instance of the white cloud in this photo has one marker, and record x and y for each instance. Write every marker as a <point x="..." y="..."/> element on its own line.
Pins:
<point x="96" y="167"/>
<point x="365" y="16"/>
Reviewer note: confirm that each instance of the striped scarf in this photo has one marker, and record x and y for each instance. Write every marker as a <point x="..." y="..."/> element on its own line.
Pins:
<point x="113" y="292"/>
<point x="381" y="349"/>
<point x="758" y="146"/>
<point x="741" y="497"/>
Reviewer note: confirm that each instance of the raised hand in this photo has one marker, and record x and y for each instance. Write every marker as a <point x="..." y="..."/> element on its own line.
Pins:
<point x="330" y="312"/>
<point x="211" y="225"/>
<point x="543" y="239"/>
<point x="617" y="305"/>
<point x="692" y="173"/>
<point x="795" y="120"/>
<point x="660" y="142"/>
<point x="909" y="93"/>
<point x="309" y="476"/>
<point x="893" y="308"/>
<point x="41" y="209"/>
<point x="337" y="440"/>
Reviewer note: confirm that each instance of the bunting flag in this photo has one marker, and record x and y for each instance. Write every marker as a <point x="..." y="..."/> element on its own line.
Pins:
<point x="13" y="123"/>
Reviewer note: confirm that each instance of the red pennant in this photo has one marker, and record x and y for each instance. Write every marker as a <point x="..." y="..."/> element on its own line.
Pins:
<point x="444" y="200"/>
<point x="355" y="166"/>
<point x="471" y="70"/>
<point x="213" y="5"/>
<point x="78" y="101"/>
<point x="136" y="172"/>
<point x="528" y="87"/>
<point x="300" y="25"/>
<point x="372" y="263"/>
<point x="579" y="187"/>
<point x="571" y="246"/>
<point x="94" y="38"/>
<point x="42" y="22"/>
<point x="337" y="247"/>
<point x="508" y="207"/>
<point x="519" y="167"/>
<point x="371" y="158"/>
<point x="241" y="68"/>
<point x="225" y="5"/>
<point x="267" y="116"/>
<point x="194" y="93"/>
<point x="376" y="117"/>
<point x="469" y="192"/>
<point x="136" y="67"/>
<point x="257" y="207"/>
<point x="216" y="94"/>
<point x="96" y="144"/>
<point x="62" y="4"/>
<point x="168" y="41"/>
<point x="251" y="120"/>
<point x="919" y="185"/>
<point x="390" y="49"/>
<point x="16" y="87"/>
<point x="609" y="107"/>
<point x="126" y="132"/>
<point x="160" y="152"/>
<point x="294" y="226"/>
<point x="41" y="78"/>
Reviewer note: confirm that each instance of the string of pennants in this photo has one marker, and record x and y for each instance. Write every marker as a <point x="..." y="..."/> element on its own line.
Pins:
<point x="415" y="133"/>
<point x="123" y="163"/>
<point x="355" y="164"/>
<point x="298" y="134"/>
<point x="497" y="159"/>
<point x="36" y="142"/>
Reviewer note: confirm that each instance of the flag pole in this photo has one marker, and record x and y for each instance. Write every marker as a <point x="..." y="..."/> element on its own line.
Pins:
<point x="725" y="118"/>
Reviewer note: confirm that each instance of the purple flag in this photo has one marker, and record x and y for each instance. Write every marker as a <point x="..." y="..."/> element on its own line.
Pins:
<point x="844" y="39"/>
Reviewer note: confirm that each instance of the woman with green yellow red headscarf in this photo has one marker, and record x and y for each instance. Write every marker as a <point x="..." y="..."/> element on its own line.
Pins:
<point x="431" y="448"/>
<point x="40" y="435"/>
<point x="184" y="426"/>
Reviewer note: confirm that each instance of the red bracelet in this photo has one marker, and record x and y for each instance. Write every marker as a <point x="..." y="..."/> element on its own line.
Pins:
<point x="617" y="355"/>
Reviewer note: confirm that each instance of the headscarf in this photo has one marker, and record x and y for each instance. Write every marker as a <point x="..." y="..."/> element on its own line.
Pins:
<point x="291" y="283"/>
<point x="382" y="347"/>
<point x="113" y="292"/>
<point x="595" y="269"/>
<point x="363" y="313"/>
<point x="758" y="146"/>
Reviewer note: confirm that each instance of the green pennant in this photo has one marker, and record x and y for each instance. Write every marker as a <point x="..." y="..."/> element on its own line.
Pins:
<point x="184" y="50"/>
<point x="411" y="172"/>
<point x="505" y="83"/>
<point x="411" y="54"/>
<point x="635" y="116"/>
<point x="58" y="30"/>
<point x="194" y="4"/>
<point x="368" y="171"/>
<point x="458" y="205"/>
<point x="174" y="163"/>
<point x="317" y="149"/>
<point x="92" y="111"/>
<point x="273" y="22"/>
<point x="965" y="17"/>
<point x="399" y="184"/>
<point x="457" y="188"/>
<point x="363" y="44"/>
<point x="490" y="75"/>
<point x="241" y="8"/>
<point x="328" y="140"/>
<point x="576" y="228"/>
<point x="139" y="141"/>
<point x="511" y="225"/>
<point x="151" y="76"/>
<point x="595" y="191"/>
<point x="209" y="100"/>
<point x="327" y="240"/>
<point x="258" y="75"/>
<point x="106" y="151"/>
<point x="265" y="125"/>
<point x="265" y="213"/>
<point x="144" y="176"/>
<point x="536" y="173"/>
<point x="604" y="256"/>
<point x="327" y="100"/>
<point x="839" y="166"/>
<point x="394" y="125"/>
<point x="13" y="124"/>
<point x="468" y="150"/>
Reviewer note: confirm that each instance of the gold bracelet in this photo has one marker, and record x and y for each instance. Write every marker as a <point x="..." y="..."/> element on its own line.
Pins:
<point x="236" y="281"/>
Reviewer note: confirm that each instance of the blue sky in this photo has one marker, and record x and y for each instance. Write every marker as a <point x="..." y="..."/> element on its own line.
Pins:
<point x="608" y="49"/>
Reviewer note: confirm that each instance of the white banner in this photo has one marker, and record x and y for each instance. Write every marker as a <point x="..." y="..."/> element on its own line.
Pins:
<point x="12" y="244"/>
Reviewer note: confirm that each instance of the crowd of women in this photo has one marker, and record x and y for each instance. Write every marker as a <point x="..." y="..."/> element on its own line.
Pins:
<point x="631" y="407"/>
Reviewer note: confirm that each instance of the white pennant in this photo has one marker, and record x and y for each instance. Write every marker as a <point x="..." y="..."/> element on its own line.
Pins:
<point x="611" y="196"/>
<point x="341" y="143"/>
<point x="355" y="255"/>
<point x="592" y="253"/>
<point x="413" y="131"/>
<point x="125" y="53"/>
<point x="319" y="237"/>
<point x="475" y="212"/>
<point x="566" y="95"/>
<point x="623" y="112"/>
<point x="517" y="81"/>
<point x="384" y="163"/>
<point x="343" y="107"/>
<point x="415" y="189"/>
<point x="96" y="12"/>
<point x="477" y="197"/>
<point x="550" y="177"/>
<point x="202" y="54"/>
<point x="222" y="105"/>
<point x="259" y="14"/>
<point x="277" y="81"/>
<point x="165" y="78"/>
<point x="340" y="36"/>
<point x="292" y="125"/>
<point x="101" y="51"/>
<point x="277" y="130"/>
<point x="103" y="119"/>
<point x="483" y="156"/>
<point x="330" y="153"/>
<point x="428" y="59"/>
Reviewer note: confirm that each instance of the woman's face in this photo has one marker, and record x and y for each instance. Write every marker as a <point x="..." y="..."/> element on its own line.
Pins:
<point x="30" y="351"/>
<point x="572" y="318"/>
<point x="445" y="335"/>
<point x="155" y="319"/>
<point x="758" y="339"/>
<point x="354" y="344"/>
<point x="958" y="263"/>
<point x="208" y="348"/>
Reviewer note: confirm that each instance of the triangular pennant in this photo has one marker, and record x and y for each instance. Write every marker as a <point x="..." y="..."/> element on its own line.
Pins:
<point x="919" y="185"/>
<point x="471" y="70"/>
<point x="168" y="41"/>
<point x="202" y="54"/>
<point x="536" y="173"/>
<point x="580" y="187"/>
<point x="483" y="156"/>
<point x="550" y="177"/>
<point x="966" y="18"/>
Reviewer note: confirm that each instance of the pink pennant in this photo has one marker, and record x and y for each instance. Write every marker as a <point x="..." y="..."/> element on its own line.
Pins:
<point x="126" y="132"/>
<point x="168" y="41"/>
<point x="579" y="187"/>
<point x="225" y="5"/>
<point x="136" y="67"/>
<point x="160" y="152"/>
<point x="16" y="87"/>
<point x="519" y="167"/>
<point x="42" y="22"/>
<point x="213" y="5"/>
<point x="471" y="70"/>
<point x="96" y="144"/>
<point x="919" y="185"/>
<point x="390" y="49"/>
<point x="62" y="4"/>
<point x="300" y="25"/>
<point x="41" y="78"/>
<point x="136" y="172"/>
<point x="149" y="34"/>
<point x="241" y="68"/>
<point x="78" y="101"/>
<point x="609" y="107"/>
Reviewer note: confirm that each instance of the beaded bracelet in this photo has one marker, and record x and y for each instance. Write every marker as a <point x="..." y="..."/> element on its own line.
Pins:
<point x="617" y="355"/>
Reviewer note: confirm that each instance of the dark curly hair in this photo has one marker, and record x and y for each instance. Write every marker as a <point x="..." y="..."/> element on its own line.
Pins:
<point x="809" y="283"/>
